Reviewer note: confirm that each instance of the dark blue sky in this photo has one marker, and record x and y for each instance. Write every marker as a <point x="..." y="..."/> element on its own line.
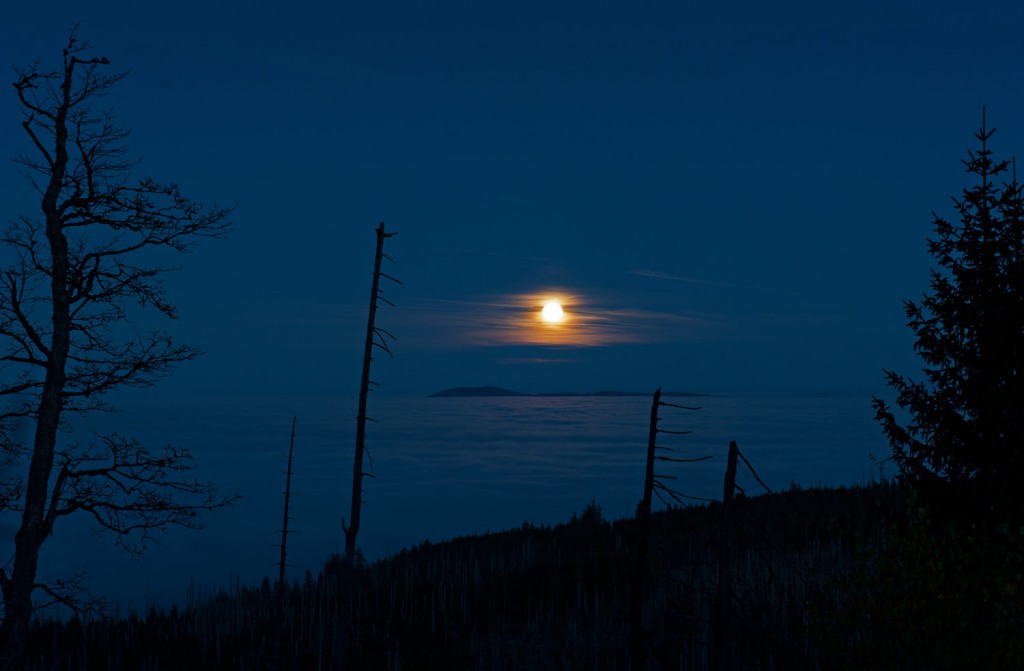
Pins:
<point x="735" y="195"/>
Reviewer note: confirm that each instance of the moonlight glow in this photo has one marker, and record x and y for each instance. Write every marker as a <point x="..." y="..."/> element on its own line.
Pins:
<point x="552" y="312"/>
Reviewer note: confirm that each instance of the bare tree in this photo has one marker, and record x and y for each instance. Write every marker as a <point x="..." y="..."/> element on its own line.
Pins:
<point x="375" y="337"/>
<point x="77" y="276"/>
<point x="654" y="485"/>
<point x="281" y="588"/>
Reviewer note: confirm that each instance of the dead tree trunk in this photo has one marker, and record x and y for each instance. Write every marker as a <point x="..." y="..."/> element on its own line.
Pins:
<point x="375" y="337"/>
<point x="35" y="527"/>
<point x="643" y="517"/>
<point x="723" y="636"/>
<point x="287" y="502"/>
<point x="282" y="588"/>
<point x="652" y="439"/>
<point x="654" y="485"/>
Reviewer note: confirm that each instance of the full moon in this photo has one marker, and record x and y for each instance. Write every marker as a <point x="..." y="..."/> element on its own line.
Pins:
<point x="552" y="312"/>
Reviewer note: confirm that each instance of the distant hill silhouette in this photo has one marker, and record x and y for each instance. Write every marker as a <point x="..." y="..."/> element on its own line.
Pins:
<point x="456" y="392"/>
<point x="477" y="391"/>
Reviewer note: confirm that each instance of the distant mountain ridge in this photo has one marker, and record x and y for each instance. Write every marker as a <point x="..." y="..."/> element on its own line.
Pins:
<point x="488" y="391"/>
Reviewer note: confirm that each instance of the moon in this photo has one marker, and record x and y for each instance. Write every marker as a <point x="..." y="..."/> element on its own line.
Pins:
<point x="552" y="312"/>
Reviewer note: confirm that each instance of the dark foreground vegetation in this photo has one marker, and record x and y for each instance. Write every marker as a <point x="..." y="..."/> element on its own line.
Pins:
<point x="532" y="598"/>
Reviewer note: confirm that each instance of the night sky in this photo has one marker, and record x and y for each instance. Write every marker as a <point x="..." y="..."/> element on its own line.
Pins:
<point x="728" y="196"/>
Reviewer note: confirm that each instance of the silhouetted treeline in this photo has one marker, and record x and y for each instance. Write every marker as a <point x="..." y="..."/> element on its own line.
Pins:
<point x="528" y="598"/>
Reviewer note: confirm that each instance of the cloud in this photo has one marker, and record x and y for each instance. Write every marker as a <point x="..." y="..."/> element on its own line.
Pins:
<point x="521" y="360"/>
<point x="514" y="320"/>
<point x="500" y="255"/>
<point x="657" y="274"/>
<point x="643" y="272"/>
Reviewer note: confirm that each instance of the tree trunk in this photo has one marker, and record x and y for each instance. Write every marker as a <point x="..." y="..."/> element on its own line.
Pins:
<point x="17" y="591"/>
<point x="643" y="516"/>
<point x="281" y="591"/>
<point x="652" y="438"/>
<point x="34" y="524"/>
<point x="351" y="572"/>
<point x="352" y="530"/>
<point x="35" y="527"/>
<point x="723" y="634"/>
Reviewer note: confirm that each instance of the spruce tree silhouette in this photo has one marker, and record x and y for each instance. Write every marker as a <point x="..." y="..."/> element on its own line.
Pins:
<point x="964" y="434"/>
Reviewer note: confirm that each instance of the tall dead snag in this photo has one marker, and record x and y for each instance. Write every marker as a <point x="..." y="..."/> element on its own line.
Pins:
<point x="375" y="337"/>
<point x="654" y="482"/>
<point x="654" y="485"/>
<point x="652" y="438"/>
<point x="77" y="274"/>
<point x="287" y="502"/>
<point x="723" y="634"/>
<point x="282" y="588"/>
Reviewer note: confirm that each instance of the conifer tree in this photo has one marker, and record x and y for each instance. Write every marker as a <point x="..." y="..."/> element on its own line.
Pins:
<point x="961" y="429"/>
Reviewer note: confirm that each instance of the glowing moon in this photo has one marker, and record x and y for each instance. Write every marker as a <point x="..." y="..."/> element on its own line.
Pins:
<point x="552" y="312"/>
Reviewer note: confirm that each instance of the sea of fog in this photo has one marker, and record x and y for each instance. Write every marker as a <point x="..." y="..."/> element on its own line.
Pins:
<point x="444" y="467"/>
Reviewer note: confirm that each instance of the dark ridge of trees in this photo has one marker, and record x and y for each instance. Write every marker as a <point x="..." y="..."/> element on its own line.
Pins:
<point x="81" y="269"/>
<point x="931" y="597"/>
<point x="530" y="598"/>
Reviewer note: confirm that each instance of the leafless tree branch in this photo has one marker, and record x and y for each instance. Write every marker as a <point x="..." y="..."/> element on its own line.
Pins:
<point x="72" y="593"/>
<point x="78" y="271"/>
<point x="130" y="490"/>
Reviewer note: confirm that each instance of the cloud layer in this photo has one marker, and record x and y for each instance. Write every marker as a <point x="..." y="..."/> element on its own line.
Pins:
<point x="514" y="320"/>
